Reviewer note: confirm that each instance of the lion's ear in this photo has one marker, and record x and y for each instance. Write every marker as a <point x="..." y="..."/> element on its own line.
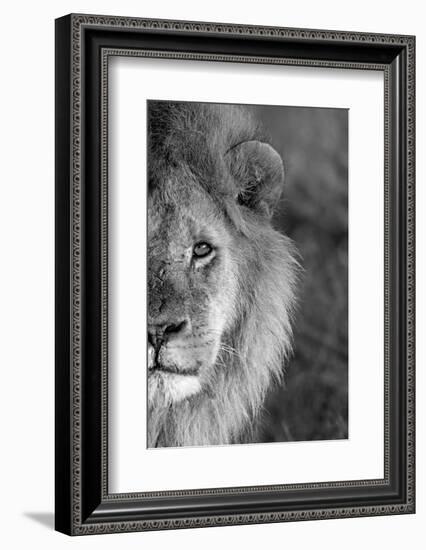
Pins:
<point x="259" y="175"/>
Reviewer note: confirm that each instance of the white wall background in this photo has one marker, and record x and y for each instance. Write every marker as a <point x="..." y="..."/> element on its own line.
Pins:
<point x="26" y="289"/>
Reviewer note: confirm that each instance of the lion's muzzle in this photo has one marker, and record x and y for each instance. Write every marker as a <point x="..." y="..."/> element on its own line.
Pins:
<point x="163" y="336"/>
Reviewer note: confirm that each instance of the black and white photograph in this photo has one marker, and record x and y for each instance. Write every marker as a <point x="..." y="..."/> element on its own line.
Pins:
<point x="235" y="274"/>
<point x="208" y="289"/>
<point x="247" y="273"/>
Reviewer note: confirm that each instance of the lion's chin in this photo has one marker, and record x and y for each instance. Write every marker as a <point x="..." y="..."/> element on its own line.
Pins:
<point x="165" y="388"/>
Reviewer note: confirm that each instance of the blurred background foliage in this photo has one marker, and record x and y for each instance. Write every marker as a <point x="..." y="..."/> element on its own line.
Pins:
<point x="313" y="142"/>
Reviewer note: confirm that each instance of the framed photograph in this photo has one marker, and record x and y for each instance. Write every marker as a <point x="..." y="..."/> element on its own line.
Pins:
<point x="234" y="274"/>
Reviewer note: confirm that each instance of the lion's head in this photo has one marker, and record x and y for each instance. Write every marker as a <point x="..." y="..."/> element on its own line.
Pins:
<point x="220" y="279"/>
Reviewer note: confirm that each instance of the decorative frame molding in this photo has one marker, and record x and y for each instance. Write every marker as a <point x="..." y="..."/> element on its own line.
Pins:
<point x="83" y="47"/>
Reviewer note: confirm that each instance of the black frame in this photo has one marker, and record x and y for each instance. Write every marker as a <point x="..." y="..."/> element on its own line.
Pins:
<point x="83" y="45"/>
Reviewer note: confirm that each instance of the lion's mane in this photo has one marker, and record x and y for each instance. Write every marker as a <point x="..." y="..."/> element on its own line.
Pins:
<point x="253" y="354"/>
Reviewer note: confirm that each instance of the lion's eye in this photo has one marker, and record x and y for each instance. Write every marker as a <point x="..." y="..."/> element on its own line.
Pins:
<point x="201" y="250"/>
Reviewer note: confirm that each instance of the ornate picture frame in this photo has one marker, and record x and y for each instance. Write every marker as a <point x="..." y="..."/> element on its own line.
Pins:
<point x="84" y="45"/>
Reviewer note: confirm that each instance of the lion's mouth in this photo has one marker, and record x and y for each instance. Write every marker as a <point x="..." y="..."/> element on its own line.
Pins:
<point x="157" y="365"/>
<point x="172" y="369"/>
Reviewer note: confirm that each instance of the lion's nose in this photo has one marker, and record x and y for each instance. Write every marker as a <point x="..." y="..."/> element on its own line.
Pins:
<point x="161" y="333"/>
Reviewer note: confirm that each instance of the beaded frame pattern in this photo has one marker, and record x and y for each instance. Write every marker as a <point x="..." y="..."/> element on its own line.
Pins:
<point x="77" y="24"/>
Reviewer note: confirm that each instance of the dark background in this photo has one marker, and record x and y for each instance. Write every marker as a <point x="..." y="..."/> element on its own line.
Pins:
<point x="313" y="142"/>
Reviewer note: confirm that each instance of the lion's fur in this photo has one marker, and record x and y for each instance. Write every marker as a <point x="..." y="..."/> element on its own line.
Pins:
<point x="254" y="351"/>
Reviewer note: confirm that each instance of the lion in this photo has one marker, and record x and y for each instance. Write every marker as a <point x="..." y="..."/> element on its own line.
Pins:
<point x="221" y="281"/>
